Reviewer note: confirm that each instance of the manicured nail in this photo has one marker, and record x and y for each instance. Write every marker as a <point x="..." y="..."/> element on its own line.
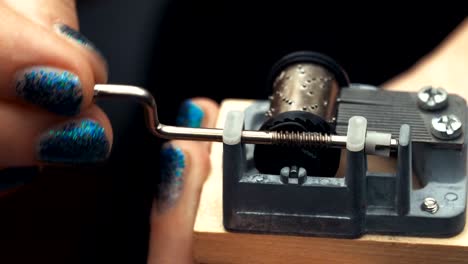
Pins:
<point x="190" y="115"/>
<point x="56" y="90"/>
<point x="173" y="163"/>
<point x="76" y="36"/>
<point x="81" y="141"/>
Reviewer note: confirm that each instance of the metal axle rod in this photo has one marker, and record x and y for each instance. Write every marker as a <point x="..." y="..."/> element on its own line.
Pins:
<point x="143" y="97"/>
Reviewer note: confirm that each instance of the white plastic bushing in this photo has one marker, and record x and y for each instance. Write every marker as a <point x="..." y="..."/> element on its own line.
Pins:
<point x="232" y="132"/>
<point x="356" y="137"/>
<point x="378" y="143"/>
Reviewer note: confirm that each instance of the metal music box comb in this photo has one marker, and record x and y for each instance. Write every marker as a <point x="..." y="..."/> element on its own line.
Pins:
<point x="303" y="161"/>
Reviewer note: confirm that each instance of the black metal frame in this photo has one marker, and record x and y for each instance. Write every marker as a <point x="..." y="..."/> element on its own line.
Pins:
<point x="361" y="202"/>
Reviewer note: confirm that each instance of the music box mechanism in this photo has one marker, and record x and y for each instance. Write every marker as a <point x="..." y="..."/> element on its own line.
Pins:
<point x="309" y="160"/>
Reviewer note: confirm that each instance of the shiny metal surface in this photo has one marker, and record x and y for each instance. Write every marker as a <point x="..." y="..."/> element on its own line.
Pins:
<point x="446" y="127"/>
<point x="430" y="205"/>
<point x="212" y="134"/>
<point x="430" y="98"/>
<point x="172" y="132"/>
<point x="305" y="87"/>
<point x="307" y="139"/>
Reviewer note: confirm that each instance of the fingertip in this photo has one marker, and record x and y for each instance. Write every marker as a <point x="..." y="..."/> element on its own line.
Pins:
<point x="184" y="168"/>
<point x="96" y="113"/>
<point x="42" y="44"/>
<point x="85" y="139"/>
<point x="42" y="47"/>
<point x="210" y="109"/>
<point x="197" y="158"/>
<point x="59" y="91"/>
<point x="92" y="52"/>
<point x="61" y="16"/>
<point x="206" y="103"/>
<point x="58" y="78"/>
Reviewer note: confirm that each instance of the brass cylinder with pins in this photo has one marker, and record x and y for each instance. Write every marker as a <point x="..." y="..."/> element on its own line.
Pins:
<point x="305" y="87"/>
<point x="303" y="107"/>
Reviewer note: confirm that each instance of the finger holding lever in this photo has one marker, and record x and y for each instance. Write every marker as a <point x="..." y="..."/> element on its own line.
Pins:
<point x="60" y="17"/>
<point x="30" y="137"/>
<point x="48" y="71"/>
<point x="184" y="168"/>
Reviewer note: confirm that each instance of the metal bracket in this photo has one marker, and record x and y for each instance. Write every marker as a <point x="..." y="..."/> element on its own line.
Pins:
<point x="361" y="202"/>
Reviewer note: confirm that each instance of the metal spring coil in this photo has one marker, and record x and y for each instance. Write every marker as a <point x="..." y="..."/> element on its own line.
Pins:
<point x="301" y="139"/>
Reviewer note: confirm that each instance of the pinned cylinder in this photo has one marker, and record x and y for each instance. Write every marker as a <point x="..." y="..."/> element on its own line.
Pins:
<point x="305" y="87"/>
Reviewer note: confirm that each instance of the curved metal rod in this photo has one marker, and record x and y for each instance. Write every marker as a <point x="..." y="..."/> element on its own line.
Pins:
<point x="145" y="98"/>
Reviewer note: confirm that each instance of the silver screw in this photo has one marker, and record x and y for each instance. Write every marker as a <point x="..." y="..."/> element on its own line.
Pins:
<point x="446" y="127"/>
<point x="430" y="98"/>
<point x="430" y="205"/>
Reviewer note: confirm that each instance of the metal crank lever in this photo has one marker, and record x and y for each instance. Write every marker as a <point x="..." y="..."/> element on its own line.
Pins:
<point x="306" y="139"/>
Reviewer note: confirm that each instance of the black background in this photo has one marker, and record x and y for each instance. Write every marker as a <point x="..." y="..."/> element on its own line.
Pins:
<point x="177" y="50"/>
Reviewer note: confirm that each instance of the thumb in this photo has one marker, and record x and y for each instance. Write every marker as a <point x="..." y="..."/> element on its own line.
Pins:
<point x="185" y="166"/>
<point x="174" y="211"/>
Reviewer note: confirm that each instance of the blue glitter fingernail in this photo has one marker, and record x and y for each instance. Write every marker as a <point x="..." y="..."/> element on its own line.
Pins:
<point x="77" y="37"/>
<point x="76" y="142"/>
<point x="56" y="90"/>
<point x="172" y="172"/>
<point x="190" y="115"/>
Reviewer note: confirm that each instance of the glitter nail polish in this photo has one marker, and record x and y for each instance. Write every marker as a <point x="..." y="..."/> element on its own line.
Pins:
<point x="81" y="141"/>
<point x="56" y="90"/>
<point x="76" y="36"/>
<point x="190" y="115"/>
<point x="172" y="172"/>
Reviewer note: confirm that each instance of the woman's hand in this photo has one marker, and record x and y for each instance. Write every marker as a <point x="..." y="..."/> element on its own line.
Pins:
<point x="185" y="166"/>
<point x="47" y="74"/>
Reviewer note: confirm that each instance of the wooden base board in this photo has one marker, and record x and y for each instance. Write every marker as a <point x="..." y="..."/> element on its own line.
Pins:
<point x="213" y="244"/>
